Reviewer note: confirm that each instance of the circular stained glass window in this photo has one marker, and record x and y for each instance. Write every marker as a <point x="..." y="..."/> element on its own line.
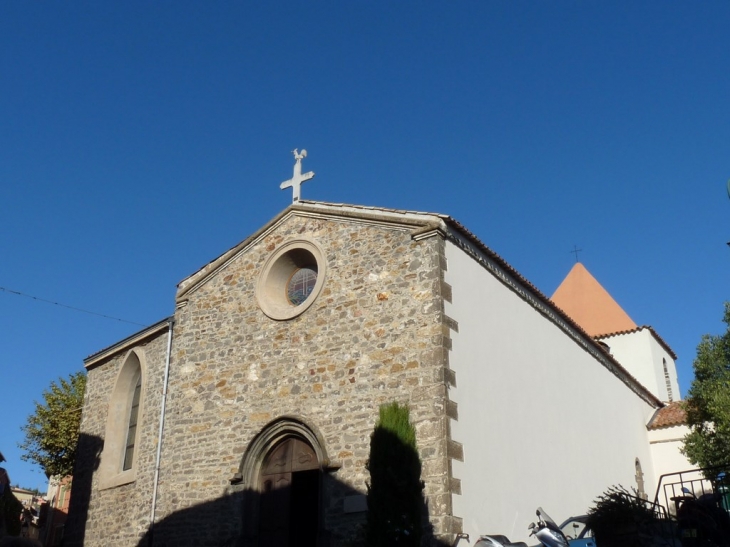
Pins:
<point x="291" y="279"/>
<point x="301" y="284"/>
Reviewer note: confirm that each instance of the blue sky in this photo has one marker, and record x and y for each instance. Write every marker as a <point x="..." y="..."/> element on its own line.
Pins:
<point x="140" y="140"/>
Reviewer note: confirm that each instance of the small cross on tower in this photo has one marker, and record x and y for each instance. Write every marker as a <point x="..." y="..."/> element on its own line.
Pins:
<point x="575" y="251"/>
<point x="297" y="178"/>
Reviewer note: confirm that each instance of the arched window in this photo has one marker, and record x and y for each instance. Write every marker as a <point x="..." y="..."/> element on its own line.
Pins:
<point x="132" y="429"/>
<point x="640" y="480"/>
<point x="667" y="381"/>
<point x="118" y="462"/>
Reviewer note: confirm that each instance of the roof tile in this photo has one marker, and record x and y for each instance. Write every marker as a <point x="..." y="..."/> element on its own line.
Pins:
<point x="671" y="415"/>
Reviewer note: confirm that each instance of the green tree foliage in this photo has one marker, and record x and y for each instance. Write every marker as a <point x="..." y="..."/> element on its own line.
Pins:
<point x="395" y="491"/>
<point x="52" y="431"/>
<point x="708" y="401"/>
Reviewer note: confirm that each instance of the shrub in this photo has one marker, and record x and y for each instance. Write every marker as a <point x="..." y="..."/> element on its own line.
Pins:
<point x="618" y="516"/>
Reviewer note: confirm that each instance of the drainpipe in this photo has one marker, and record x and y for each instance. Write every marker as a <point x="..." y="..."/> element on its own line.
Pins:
<point x="171" y="323"/>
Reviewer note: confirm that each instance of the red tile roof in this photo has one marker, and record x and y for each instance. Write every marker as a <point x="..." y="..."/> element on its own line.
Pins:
<point x="671" y="415"/>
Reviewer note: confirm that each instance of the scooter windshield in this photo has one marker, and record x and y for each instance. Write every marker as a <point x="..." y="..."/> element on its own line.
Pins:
<point x="544" y="516"/>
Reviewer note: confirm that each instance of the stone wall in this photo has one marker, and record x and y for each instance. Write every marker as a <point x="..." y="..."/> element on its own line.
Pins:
<point x="118" y="515"/>
<point x="375" y="334"/>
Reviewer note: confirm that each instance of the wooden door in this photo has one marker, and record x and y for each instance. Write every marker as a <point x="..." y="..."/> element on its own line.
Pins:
<point x="289" y="510"/>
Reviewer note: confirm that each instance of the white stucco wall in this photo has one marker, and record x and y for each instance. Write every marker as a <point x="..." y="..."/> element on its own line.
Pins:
<point x="665" y="448"/>
<point x="542" y="422"/>
<point x="642" y="355"/>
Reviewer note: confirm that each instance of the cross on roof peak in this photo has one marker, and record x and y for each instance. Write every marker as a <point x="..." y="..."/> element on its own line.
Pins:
<point x="297" y="178"/>
<point x="575" y="251"/>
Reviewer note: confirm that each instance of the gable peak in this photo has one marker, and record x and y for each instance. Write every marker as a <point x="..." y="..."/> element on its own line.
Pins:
<point x="585" y="300"/>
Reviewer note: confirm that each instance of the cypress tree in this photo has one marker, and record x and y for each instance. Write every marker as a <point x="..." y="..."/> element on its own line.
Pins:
<point x="395" y="492"/>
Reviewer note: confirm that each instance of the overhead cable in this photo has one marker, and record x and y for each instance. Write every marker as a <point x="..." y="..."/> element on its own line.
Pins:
<point x="18" y="293"/>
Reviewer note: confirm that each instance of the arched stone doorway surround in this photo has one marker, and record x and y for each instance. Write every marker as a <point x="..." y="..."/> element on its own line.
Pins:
<point x="280" y="477"/>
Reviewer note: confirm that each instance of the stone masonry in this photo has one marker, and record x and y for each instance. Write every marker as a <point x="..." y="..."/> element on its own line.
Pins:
<point x="121" y="515"/>
<point x="375" y="334"/>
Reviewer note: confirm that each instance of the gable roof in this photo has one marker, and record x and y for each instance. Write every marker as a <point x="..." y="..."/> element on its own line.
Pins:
<point x="583" y="298"/>
<point x="414" y="220"/>
<point x="423" y="225"/>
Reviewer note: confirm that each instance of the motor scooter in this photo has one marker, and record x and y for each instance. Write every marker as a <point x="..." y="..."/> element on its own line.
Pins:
<point x="545" y="530"/>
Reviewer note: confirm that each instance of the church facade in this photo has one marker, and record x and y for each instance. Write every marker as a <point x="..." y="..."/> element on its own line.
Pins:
<point x="245" y="418"/>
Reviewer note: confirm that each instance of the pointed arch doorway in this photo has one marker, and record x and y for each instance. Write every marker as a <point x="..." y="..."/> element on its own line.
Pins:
<point x="289" y="485"/>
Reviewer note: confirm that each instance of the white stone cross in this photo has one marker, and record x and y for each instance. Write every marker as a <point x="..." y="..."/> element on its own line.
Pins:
<point x="297" y="178"/>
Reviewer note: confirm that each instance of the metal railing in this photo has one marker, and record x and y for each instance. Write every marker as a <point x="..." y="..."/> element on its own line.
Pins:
<point x="696" y="483"/>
